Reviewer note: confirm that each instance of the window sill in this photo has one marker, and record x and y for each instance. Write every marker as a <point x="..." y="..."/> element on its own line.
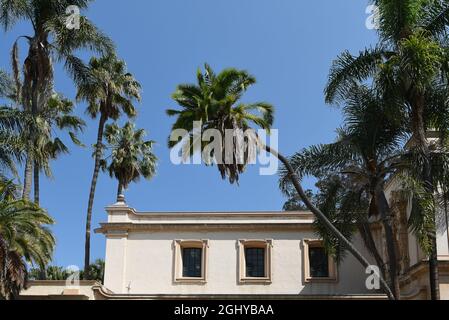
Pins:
<point x="190" y="281"/>
<point x="255" y="281"/>
<point x="321" y="280"/>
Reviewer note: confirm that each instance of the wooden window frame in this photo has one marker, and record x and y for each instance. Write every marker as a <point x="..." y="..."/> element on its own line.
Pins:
<point x="264" y="244"/>
<point x="178" y="265"/>
<point x="333" y="272"/>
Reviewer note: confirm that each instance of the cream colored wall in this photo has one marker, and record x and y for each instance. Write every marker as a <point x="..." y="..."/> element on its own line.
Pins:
<point x="442" y="234"/>
<point x="444" y="288"/>
<point x="48" y="289"/>
<point x="149" y="265"/>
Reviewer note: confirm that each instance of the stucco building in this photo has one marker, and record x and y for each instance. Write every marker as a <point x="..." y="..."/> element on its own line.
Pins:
<point x="241" y="255"/>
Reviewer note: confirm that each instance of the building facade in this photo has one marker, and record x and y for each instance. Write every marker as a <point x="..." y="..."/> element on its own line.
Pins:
<point x="244" y="255"/>
<point x="224" y="254"/>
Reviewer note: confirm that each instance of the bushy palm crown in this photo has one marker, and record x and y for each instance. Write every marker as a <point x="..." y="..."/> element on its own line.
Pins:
<point x="215" y="101"/>
<point x="109" y="88"/>
<point x="20" y="127"/>
<point x="370" y="138"/>
<point x="131" y="156"/>
<point x="51" y="37"/>
<point x="24" y="238"/>
<point x="410" y="67"/>
<point x="411" y="59"/>
<point x="366" y="153"/>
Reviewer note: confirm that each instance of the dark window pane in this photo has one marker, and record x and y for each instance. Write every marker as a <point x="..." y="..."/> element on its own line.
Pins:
<point x="319" y="262"/>
<point x="191" y="262"/>
<point x="255" y="262"/>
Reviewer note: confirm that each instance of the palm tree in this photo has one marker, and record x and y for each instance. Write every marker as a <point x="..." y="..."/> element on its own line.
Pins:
<point x="131" y="157"/>
<point x="56" y="114"/>
<point x="11" y="144"/>
<point x="22" y="127"/>
<point x="294" y="202"/>
<point x="357" y="166"/>
<point x="109" y="90"/>
<point x="6" y="85"/>
<point x="11" y="119"/>
<point x="214" y="101"/>
<point x="50" y="38"/>
<point x="409" y="60"/>
<point x="96" y="271"/>
<point x="24" y="238"/>
<point x="52" y="273"/>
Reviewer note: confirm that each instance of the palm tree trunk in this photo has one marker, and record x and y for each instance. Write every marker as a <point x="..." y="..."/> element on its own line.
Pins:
<point x="93" y="185"/>
<point x="345" y="242"/>
<point x="446" y="217"/>
<point x="28" y="177"/>
<point x="385" y="213"/>
<point x="119" y="190"/>
<point x="42" y="271"/>
<point x="433" y="267"/>
<point x="419" y="135"/>
<point x="36" y="183"/>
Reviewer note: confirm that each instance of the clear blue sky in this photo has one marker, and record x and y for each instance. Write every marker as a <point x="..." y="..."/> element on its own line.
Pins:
<point x="287" y="44"/>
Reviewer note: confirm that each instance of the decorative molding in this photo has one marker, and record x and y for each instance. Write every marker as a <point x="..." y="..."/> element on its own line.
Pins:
<point x="105" y="228"/>
<point x="101" y="292"/>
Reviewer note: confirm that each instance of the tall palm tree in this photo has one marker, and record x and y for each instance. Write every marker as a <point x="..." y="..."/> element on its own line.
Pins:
<point x="109" y="91"/>
<point x="24" y="238"/>
<point x="50" y="38"/>
<point x="214" y="101"/>
<point x="410" y="58"/>
<point x="366" y="153"/>
<point x="131" y="156"/>
<point x="58" y="114"/>
<point x="21" y="127"/>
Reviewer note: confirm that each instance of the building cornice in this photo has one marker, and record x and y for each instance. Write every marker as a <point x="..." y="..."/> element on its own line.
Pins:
<point x="206" y="214"/>
<point x="123" y="228"/>
<point x="123" y="219"/>
<point x="100" y="291"/>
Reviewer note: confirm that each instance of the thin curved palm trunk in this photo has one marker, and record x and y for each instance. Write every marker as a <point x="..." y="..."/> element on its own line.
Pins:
<point x="93" y="186"/>
<point x="345" y="242"/>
